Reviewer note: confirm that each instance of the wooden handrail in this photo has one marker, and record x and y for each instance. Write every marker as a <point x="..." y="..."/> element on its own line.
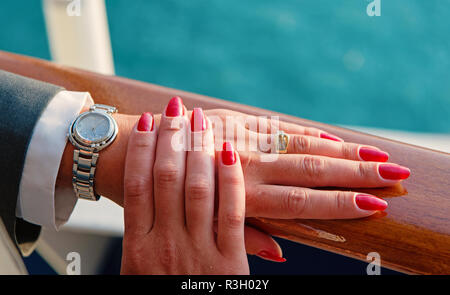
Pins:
<point x="412" y="235"/>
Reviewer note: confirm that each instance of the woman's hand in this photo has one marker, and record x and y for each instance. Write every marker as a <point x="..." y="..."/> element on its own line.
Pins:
<point x="169" y="200"/>
<point x="285" y="188"/>
<point x="288" y="187"/>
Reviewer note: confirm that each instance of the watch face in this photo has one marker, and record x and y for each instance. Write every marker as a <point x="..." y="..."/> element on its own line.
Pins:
<point x="93" y="128"/>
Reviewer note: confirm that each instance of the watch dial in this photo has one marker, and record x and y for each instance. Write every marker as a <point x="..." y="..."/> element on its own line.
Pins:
<point x="93" y="127"/>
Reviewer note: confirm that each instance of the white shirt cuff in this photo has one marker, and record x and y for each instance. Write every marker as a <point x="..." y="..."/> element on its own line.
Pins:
<point x="38" y="201"/>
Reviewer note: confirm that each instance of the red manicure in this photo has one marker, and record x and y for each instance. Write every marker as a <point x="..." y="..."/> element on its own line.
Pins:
<point x="228" y="157"/>
<point x="393" y="172"/>
<point x="271" y="256"/>
<point x="145" y="122"/>
<point x="175" y="107"/>
<point x="372" y="154"/>
<point x="198" y="121"/>
<point x="369" y="202"/>
<point x="330" y="137"/>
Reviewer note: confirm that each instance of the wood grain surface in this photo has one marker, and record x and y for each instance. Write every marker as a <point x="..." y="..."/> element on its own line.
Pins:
<point x="411" y="236"/>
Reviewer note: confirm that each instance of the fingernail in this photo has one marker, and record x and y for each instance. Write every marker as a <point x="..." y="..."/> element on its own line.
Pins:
<point x="271" y="256"/>
<point x="228" y="157"/>
<point x="198" y="121"/>
<point x="393" y="172"/>
<point x="369" y="202"/>
<point x="330" y="137"/>
<point x="175" y="107"/>
<point x="145" y="122"/>
<point x="372" y="154"/>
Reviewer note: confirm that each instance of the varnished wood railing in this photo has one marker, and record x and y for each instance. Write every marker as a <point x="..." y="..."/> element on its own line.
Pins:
<point x="412" y="235"/>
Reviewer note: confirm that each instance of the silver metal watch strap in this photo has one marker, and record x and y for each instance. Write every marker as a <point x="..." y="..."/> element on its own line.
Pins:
<point x="85" y="163"/>
<point x="102" y="107"/>
<point x="83" y="172"/>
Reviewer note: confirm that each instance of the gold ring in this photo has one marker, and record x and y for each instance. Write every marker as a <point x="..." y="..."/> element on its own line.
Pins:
<point x="281" y="142"/>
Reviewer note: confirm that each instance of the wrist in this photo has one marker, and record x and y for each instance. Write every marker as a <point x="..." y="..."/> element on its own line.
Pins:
<point x="110" y="166"/>
<point x="109" y="172"/>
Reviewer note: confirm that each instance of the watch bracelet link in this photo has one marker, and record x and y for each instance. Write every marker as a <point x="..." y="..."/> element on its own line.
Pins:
<point x="83" y="172"/>
<point x="105" y="108"/>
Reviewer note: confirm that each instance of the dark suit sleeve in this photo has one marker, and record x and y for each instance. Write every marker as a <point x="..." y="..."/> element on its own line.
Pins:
<point x="22" y="101"/>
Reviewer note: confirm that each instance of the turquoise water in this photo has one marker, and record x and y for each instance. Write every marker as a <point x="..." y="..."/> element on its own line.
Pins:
<point x="322" y="60"/>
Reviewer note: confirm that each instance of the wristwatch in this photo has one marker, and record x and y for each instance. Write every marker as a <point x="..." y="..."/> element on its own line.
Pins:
<point x="90" y="132"/>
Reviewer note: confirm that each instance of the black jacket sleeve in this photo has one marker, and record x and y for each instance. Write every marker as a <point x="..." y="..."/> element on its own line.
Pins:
<point x="22" y="101"/>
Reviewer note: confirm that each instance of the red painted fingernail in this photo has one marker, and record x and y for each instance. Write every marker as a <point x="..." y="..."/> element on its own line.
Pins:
<point x="369" y="202"/>
<point x="198" y="120"/>
<point x="175" y="107"/>
<point x="372" y="154"/>
<point x="393" y="172"/>
<point x="330" y="137"/>
<point x="228" y="157"/>
<point x="271" y="256"/>
<point x="145" y="122"/>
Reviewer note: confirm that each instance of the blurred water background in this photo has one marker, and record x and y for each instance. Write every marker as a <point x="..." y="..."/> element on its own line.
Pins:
<point x="319" y="59"/>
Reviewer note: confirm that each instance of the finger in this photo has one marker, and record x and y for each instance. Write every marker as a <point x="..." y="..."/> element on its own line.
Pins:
<point x="266" y="125"/>
<point x="262" y="245"/>
<point x="199" y="184"/>
<point x="138" y="179"/>
<point x="317" y="171"/>
<point x="231" y="215"/>
<point x="288" y="202"/>
<point x="302" y="144"/>
<point x="169" y="168"/>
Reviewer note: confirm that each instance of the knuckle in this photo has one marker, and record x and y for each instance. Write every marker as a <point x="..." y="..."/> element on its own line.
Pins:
<point x="199" y="142"/>
<point x="347" y="151"/>
<point x="166" y="174"/>
<point x="312" y="131"/>
<point x="302" y="144"/>
<point x="233" y="179"/>
<point x="143" y="141"/>
<point x="314" y="167"/>
<point x="234" y="220"/>
<point x="295" y="201"/>
<point x="198" y="188"/>
<point x="363" y="170"/>
<point x="342" y="201"/>
<point x="136" y="186"/>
